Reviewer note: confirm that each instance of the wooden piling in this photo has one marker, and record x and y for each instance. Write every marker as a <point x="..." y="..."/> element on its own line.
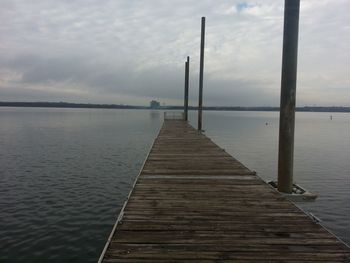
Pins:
<point x="288" y="90"/>
<point x="187" y="74"/>
<point x="201" y="69"/>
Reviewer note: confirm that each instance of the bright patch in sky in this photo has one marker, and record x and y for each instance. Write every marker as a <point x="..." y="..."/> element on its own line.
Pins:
<point x="242" y="6"/>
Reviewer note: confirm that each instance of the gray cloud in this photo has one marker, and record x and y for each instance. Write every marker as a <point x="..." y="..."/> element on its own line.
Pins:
<point x="133" y="51"/>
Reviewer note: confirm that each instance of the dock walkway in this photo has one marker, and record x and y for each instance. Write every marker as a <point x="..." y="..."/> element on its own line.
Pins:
<point x="193" y="202"/>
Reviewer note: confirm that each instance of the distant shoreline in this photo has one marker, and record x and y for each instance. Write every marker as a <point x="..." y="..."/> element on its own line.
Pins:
<point x="213" y="108"/>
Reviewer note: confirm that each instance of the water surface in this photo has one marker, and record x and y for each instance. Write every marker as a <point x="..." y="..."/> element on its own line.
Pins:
<point x="65" y="173"/>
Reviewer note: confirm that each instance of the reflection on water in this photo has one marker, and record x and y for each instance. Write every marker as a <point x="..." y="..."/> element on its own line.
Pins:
<point x="155" y="114"/>
<point x="65" y="173"/>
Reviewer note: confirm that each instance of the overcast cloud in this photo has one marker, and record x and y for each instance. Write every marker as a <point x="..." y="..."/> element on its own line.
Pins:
<point x="132" y="51"/>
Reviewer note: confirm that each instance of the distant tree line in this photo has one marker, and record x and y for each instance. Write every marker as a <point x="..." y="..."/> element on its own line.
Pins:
<point x="69" y="105"/>
<point x="153" y="106"/>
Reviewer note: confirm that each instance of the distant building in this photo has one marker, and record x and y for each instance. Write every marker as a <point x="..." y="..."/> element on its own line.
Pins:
<point x="154" y="104"/>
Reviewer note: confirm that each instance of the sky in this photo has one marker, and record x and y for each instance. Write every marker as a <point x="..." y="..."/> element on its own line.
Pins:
<point x="133" y="51"/>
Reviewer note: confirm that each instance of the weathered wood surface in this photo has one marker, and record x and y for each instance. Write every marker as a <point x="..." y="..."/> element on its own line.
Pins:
<point x="193" y="202"/>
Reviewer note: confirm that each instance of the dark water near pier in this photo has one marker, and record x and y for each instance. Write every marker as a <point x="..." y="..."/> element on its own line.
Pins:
<point x="65" y="173"/>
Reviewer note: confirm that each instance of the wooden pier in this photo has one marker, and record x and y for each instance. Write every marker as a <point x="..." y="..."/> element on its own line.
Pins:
<point x="193" y="202"/>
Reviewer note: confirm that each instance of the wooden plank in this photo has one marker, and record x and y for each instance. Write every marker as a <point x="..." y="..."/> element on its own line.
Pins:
<point x="193" y="202"/>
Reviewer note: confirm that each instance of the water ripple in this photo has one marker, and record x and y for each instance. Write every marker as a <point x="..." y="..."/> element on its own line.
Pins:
<point x="64" y="177"/>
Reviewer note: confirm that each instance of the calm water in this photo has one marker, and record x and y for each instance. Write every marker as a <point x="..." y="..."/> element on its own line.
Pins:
<point x="65" y="173"/>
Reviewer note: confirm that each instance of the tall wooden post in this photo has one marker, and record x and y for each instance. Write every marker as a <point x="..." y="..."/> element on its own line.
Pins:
<point x="288" y="89"/>
<point x="201" y="68"/>
<point x="187" y="75"/>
